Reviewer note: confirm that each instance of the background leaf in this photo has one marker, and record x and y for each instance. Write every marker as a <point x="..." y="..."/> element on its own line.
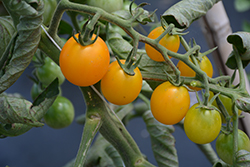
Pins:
<point x="241" y="40"/>
<point x="162" y="141"/>
<point x="26" y="42"/>
<point x="36" y="111"/>
<point x="242" y="5"/>
<point x="7" y="29"/>
<point x="183" y="13"/>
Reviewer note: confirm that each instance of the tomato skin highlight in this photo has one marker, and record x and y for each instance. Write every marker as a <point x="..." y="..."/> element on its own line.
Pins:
<point x="170" y="42"/>
<point x="84" y="65"/>
<point x="202" y="125"/>
<point x="224" y="145"/>
<point x="120" y="88"/>
<point x="169" y="104"/>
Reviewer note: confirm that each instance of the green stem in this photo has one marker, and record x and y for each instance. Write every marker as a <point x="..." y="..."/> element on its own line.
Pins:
<point x="114" y="131"/>
<point x="235" y="134"/>
<point x="92" y="125"/>
<point x="48" y="46"/>
<point x="209" y="152"/>
<point x="73" y="18"/>
<point x="242" y="81"/>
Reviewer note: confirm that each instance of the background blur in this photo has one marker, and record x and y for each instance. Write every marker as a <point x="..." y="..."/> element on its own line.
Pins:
<point x="48" y="147"/>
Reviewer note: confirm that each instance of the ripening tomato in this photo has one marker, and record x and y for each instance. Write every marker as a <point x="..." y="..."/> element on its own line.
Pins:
<point x="224" y="145"/>
<point x="205" y="65"/>
<point x="227" y="102"/>
<point x="84" y="65"/>
<point x="202" y="125"/>
<point x="120" y="88"/>
<point x="170" y="42"/>
<point x="169" y="103"/>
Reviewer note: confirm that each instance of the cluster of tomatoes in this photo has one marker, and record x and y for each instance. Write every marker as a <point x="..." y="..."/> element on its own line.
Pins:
<point x="61" y="113"/>
<point x="170" y="104"/>
<point x="87" y="65"/>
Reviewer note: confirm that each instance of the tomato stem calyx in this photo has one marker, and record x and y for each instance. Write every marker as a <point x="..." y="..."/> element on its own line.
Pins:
<point x="130" y="64"/>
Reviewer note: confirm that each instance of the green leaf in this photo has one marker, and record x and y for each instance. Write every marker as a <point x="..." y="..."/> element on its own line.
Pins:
<point x="231" y="62"/>
<point x="65" y="28"/>
<point x="242" y="5"/>
<point x="241" y="40"/>
<point x="162" y="141"/>
<point x="26" y="41"/>
<point x="7" y="29"/>
<point x="243" y="158"/>
<point x="19" y="125"/>
<point x="183" y="13"/>
<point x="119" y="46"/>
<point x="16" y="110"/>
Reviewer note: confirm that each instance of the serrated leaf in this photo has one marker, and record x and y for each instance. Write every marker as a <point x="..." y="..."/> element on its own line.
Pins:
<point x="183" y="13"/>
<point x="243" y="158"/>
<point x="241" y="40"/>
<point x="7" y="29"/>
<point x="26" y="42"/>
<point x="162" y="141"/>
<point x="242" y="5"/>
<point x="36" y="111"/>
<point x="16" y="110"/>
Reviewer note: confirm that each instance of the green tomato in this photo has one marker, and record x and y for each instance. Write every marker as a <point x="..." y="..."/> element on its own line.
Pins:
<point x="48" y="72"/>
<point x="224" y="145"/>
<point x="202" y="125"/>
<point x="61" y="114"/>
<point x="126" y="5"/>
<point x="49" y="9"/>
<point x="107" y="5"/>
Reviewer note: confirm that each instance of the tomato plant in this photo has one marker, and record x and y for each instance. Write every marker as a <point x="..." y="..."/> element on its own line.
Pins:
<point x="202" y="125"/>
<point x="49" y="9"/>
<point x="49" y="71"/>
<point x="169" y="103"/>
<point x="205" y="65"/>
<point x="60" y="114"/>
<point x="107" y="5"/>
<point x="170" y="42"/>
<point x="224" y="145"/>
<point x="84" y="65"/>
<point x="120" y="88"/>
<point x="228" y="104"/>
